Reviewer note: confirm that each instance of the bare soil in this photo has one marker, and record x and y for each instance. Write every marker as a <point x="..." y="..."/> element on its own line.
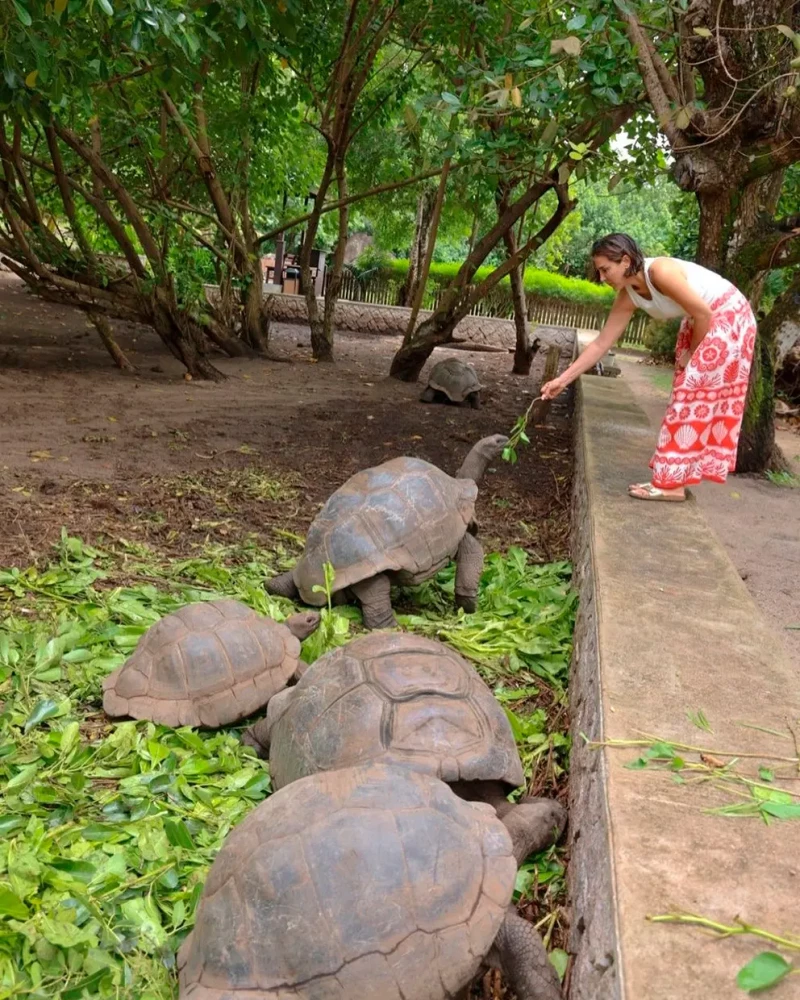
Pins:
<point x="174" y="463"/>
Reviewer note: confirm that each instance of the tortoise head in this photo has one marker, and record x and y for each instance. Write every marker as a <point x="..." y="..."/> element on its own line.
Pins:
<point x="482" y="453"/>
<point x="304" y="624"/>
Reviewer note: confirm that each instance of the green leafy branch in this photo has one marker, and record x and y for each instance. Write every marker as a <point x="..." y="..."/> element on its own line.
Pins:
<point x="765" y="970"/>
<point x="754" y="794"/>
<point x="518" y="434"/>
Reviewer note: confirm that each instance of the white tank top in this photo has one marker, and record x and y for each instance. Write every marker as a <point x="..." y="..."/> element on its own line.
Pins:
<point x="707" y="284"/>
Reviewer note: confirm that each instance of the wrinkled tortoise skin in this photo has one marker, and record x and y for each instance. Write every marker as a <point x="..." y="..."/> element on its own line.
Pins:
<point x="404" y="517"/>
<point x="207" y="664"/>
<point x="397" y="699"/>
<point x="371" y="883"/>
<point x="456" y="379"/>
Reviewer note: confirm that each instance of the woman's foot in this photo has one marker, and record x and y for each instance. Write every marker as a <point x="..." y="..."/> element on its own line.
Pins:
<point x="646" y="491"/>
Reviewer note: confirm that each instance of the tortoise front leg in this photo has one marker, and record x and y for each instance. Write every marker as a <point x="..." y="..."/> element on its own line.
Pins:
<point x="257" y="735"/>
<point x="469" y="566"/>
<point x="428" y="395"/>
<point x="283" y="586"/>
<point x="521" y="956"/>
<point x="534" y="824"/>
<point x="375" y="597"/>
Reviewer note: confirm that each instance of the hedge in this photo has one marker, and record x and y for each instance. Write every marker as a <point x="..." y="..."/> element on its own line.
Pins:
<point x="543" y="284"/>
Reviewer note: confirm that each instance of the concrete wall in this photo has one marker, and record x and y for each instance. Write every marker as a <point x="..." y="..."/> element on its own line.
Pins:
<point x="666" y="627"/>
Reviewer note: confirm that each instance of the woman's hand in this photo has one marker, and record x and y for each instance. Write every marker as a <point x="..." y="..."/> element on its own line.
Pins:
<point x="552" y="389"/>
<point x="684" y="358"/>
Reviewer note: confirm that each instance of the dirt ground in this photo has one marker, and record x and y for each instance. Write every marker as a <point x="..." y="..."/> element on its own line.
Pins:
<point x="757" y="521"/>
<point x="155" y="458"/>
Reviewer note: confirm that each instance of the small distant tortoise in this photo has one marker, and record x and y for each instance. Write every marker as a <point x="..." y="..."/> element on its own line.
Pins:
<point x="207" y="664"/>
<point x="399" y="522"/>
<point x="455" y="381"/>
<point x="400" y="699"/>
<point x="370" y="883"/>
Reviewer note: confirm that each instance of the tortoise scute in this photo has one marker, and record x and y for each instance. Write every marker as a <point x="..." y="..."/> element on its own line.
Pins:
<point x="404" y="517"/>
<point x="396" y="698"/>
<point x="382" y="889"/>
<point x="455" y="378"/>
<point x="207" y="664"/>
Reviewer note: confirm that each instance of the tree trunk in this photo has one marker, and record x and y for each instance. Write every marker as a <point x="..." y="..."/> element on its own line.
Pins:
<point x="757" y="449"/>
<point x="255" y="329"/>
<point x="337" y="269"/>
<point x="728" y="219"/>
<point x="419" y="246"/>
<point x="321" y="349"/>
<point x="524" y="351"/>
<point x="459" y="297"/>
<point x="783" y="327"/>
<point x="184" y="341"/>
<point x="103" y="327"/>
<point x="437" y="329"/>
<point x="783" y="322"/>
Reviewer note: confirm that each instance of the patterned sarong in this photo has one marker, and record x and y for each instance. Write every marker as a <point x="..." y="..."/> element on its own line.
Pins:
<point x="700" y="433"/>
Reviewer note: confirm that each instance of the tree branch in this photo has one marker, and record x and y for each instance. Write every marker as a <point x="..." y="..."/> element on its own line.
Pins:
<point x="351" y="199"/>
<point x="120" y="192"/>
<point x="653" y="80"/>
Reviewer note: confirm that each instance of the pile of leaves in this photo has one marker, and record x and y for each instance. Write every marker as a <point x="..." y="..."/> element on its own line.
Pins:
<point x="108" y="830"/>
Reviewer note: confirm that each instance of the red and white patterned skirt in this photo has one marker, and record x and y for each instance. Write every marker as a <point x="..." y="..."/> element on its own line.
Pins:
<point x="700" y="433"/>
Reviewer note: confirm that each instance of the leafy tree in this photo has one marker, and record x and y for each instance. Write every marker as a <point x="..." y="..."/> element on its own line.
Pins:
<point x="560" y="95"/>
<point x="721" y="77"/>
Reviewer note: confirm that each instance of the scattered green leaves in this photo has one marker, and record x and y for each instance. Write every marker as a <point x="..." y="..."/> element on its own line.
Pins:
<point x="763" y="971"/>
<point x="700" y="720"/>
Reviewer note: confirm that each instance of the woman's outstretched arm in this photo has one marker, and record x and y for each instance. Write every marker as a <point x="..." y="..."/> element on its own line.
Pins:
<point x="613" y="328"/>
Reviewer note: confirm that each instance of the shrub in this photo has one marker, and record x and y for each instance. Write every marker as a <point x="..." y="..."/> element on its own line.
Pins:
<point x="543" y="284"/>
<point x="661" y="338"/>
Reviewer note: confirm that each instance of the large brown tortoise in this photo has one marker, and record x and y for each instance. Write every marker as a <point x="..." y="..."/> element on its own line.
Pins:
<point x="209" y="664"/>
<point x="455" y="381"/>
<point x="370" y="883"/>
<point x="401" y="699"/>
<point x="399" y="522"/>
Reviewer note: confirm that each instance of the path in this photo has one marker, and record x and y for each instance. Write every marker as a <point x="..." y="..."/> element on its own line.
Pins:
<point x="758" y="522"/>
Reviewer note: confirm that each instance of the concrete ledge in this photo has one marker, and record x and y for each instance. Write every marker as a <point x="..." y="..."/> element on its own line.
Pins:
<point x="665" y="626"/>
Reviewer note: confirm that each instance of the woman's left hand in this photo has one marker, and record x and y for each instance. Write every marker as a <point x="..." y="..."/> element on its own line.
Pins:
<point x="684" y="358"/>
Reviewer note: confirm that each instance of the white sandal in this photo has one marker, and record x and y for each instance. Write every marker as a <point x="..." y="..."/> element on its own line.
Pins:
<point x="653" y="493"/>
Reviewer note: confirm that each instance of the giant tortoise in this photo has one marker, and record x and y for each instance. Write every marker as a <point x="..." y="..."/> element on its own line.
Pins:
<point x="399" y="522"/>
<point x="400" y="699"/>
<point x="370" y="883"/>
<point x="208" y="664"/>
<point x="454" y="381"/>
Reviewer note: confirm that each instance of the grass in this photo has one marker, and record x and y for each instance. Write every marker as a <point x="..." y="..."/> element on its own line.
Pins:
<point x="784" y="478"/>
<point x="661" y="379"/>
<point x="108" y="831"/>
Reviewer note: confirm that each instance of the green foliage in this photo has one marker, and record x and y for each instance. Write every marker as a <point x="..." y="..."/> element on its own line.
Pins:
<point x="661" y="338"/>
<point x="108" y="831"/>
<point x="660" y="217"/>
<point x="763" y="971"/>
<point x="537" y="282"/>
<point x="525" y="619"/>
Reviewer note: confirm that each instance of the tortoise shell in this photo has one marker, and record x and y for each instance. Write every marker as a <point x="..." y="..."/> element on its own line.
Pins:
<point x="374" y="883"/>
<point x="404" y="517"/>
<point x="455" y="378"/>
<point x="396" y="698"/>
<point x="207" y="664"/>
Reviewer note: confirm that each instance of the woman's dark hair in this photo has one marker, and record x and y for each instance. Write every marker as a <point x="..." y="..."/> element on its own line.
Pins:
<point x="615" y="246"/>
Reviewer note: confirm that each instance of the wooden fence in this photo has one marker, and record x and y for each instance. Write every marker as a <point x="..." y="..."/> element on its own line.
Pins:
<point x="381" y="290"/>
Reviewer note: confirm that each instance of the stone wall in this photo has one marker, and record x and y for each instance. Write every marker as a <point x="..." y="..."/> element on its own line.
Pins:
<point x="366" y="317"/>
